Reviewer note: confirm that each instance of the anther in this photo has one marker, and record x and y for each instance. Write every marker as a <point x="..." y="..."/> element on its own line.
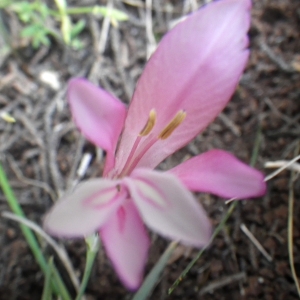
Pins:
<point x="150" y="123"/>
<point x="168" y="130"/>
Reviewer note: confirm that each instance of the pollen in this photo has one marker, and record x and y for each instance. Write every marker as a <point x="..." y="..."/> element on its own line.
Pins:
<point x="150" y="123"/>
<point x="168" y="130"/>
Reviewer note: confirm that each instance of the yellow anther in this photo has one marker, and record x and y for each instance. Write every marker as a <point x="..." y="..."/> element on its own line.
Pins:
<point x="168" y="130"/>
<point x="150" y="123"/>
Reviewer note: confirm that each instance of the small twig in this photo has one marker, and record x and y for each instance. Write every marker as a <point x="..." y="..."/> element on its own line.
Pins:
<point x="51" y="144"/>
<point x="222" y="282"/>
<point x="60" y="251"/>
<point x="253" y="252"/>
<point x="135" y="3"/>
<point x="230" y="200"/>
<point x="215" y="233"/>
<point x="236" y="266"/>
<point x="151" y="45"/>
<point x="256" y="243"/>
<point x="99" y="44"/>
<point x="235" y="129"/>
<point x="290" y="228"/>
<point x="159" y="16"/>
<point x="282" y="163"/>
<point x="33" y="182"/>
<point x="276" y="111"/>
<point x="287" y="165"/>
<point x="189" y="5"/>
<point x="125" y="79"/>
<point x="105" y="29"/>
<point x="76" y="161"/>
<point x="8" y="140"/>
<point x="84" y="164"/>
<point x="276" y="59"/>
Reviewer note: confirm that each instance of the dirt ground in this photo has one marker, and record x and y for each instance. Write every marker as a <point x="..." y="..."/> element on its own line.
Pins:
<point x="41" y="152"/>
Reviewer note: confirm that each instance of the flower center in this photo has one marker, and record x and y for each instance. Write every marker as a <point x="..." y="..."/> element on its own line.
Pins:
<point x="168" y="130"/>
<point x="146" y="139"/>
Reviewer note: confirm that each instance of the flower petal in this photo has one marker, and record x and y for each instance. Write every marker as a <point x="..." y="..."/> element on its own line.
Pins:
<point x="194" y="72"/>
<point x="86" y="209"/>
<point x="220" y="173"/>
<point x="126" y="243"/>
<point x="168" y="208"/>
<point x="98" y="114"/>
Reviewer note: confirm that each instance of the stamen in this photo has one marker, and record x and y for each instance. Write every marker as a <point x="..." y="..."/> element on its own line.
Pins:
<point x="150" y="123"/>
<point x="168" y="130"/>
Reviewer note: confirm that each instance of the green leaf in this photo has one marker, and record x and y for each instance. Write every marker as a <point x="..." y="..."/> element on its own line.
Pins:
<point x="30" y="30"/>
<point x="44" y="11"/>
<point x="77" y="44"/>
<point x="77" y="28"/>
<point x="5" y="3"/>
<point x="21" y="6"/>
<point x="42" y="39"/>
<point x="37" y="33"/>
<point x="24" y="10"/>
<point x="111" y="12"/>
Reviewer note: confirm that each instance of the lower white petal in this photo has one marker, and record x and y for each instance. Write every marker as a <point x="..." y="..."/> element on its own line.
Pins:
<point x="168" y="208"/>
<point x="86" y="209"/>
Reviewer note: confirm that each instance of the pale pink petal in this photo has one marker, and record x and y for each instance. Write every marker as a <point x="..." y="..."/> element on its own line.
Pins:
<point x="222" y="174"/>
<point x="195" y="70"/>
<point x="86" y="209"/>
<point x="168" y="208"/>
<point x="98" y="114"/>
<point x="126" y="243"/>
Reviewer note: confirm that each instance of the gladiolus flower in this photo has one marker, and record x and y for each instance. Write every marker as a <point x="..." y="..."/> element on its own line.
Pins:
<point x="185" y="85"/>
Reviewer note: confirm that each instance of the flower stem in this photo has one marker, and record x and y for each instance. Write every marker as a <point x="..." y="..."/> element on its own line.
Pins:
<point x="47" y="291"/>
<point x="149" y="283"/>
<point x="93" y="244"/>
<point x="57" y="284"/>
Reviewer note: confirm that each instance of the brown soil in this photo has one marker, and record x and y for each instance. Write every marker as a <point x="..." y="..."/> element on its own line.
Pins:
<point x="41" y="153"/>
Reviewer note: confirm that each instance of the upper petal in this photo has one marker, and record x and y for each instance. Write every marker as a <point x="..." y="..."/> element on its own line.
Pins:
<point x="195" y="70"/>
<point x="168" y="208"/>
<point x="98" y="114"/>
<point x="86" y="209"/>
<point x="126" y="243"/>
<point x="222" y="174"/>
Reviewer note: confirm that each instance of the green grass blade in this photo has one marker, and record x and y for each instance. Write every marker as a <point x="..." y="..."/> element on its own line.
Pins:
<point x="58" y="285"/>
<point x="153" y="277"/>
<point x="47" y="291"/>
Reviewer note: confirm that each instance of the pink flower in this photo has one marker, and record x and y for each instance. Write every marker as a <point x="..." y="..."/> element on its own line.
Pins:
<point x="185" y="85"/>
